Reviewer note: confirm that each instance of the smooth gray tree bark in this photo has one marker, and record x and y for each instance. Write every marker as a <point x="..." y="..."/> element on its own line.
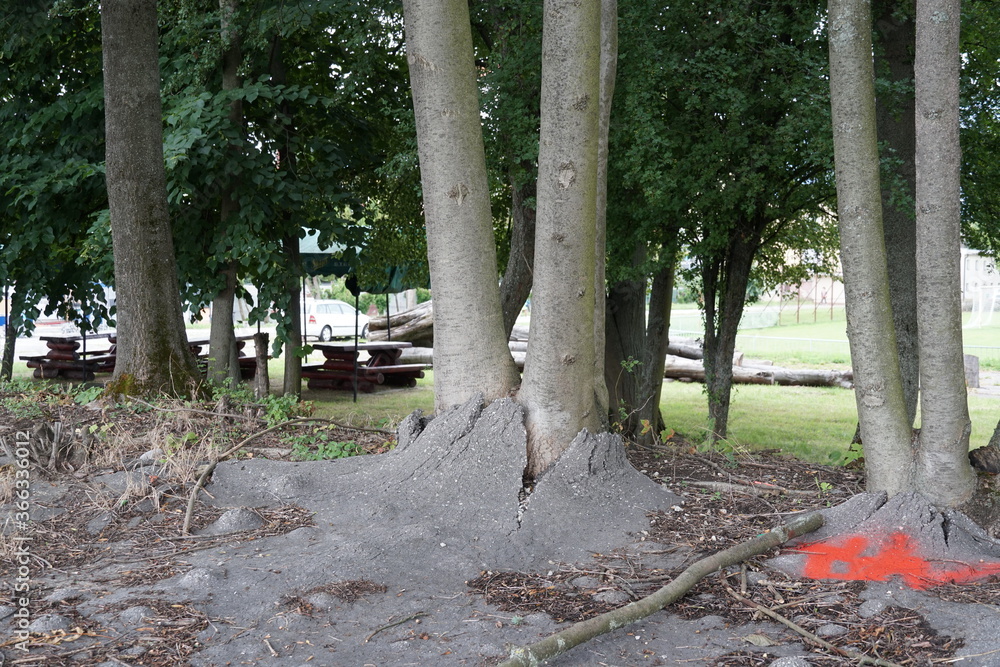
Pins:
<point x="878" y="385"/>
<point x="559" y="376"/>
<point x="470" y="349"/>
<point x="153" y="354"/>
<point x="943" y="471"/>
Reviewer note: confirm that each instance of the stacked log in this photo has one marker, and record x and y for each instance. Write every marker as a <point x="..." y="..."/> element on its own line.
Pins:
<point x="415" y="326"/>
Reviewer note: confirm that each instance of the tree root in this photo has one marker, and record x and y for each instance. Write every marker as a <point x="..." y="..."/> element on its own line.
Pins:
<point x="210" y="468"/>
<point x="559" y="643"/>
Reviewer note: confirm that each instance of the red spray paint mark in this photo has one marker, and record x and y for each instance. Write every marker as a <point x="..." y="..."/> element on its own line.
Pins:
<point x="866" y="558"/>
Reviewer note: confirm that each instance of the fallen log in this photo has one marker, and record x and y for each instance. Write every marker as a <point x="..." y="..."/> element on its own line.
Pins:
<point x="576" y="634"/>
<point x="415" y="326"/>
<point x="678" y="368"/>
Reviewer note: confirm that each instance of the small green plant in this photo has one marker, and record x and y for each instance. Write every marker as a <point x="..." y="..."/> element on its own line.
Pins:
<point x="175" y="444"/>
<point x="630" y="364"/>
<point x="824" y="487"/>
<point x="85" y="395"/>
<point x="320" y="446"/>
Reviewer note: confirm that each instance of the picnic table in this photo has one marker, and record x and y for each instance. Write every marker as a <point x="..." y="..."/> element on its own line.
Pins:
<point x="65" y="358"/>
<point x="381" y="367"/>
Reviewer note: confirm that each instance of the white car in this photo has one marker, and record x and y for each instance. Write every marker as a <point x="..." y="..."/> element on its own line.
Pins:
<point x="329" y="319"/>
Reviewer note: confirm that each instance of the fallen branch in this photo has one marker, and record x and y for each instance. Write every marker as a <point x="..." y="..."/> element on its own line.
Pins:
<point x="758" y="489"/>
<point x="210" y="468"/>
<point x="395" y="623"/>
<point x="860" y="658"/>
<point x="559" y="643"/>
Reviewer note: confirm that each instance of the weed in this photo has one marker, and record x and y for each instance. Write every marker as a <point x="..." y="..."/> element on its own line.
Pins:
<point x="84" y="394"/>
<point x="320" y="446"/>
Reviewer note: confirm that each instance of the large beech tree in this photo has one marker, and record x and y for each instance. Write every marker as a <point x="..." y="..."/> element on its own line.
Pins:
<point x="153" y="355"/>
<point x="938" y="465"/>
<point x="470" y="349"/>
<point x="563" y="390"/>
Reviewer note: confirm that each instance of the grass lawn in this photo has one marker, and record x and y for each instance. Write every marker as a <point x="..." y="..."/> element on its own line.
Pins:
<point x="813" y="423"/>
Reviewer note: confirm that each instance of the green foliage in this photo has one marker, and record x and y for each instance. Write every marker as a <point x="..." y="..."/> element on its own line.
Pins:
<point x="84" y="394"/>
<point x="320" y="446"/>
<point x="274" y="410"/>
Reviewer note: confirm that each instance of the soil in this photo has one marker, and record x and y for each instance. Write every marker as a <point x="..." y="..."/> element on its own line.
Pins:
<point x="431" y="553"/>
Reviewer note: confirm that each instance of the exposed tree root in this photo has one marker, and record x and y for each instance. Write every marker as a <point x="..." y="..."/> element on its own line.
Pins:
<point x="534" y="654"/>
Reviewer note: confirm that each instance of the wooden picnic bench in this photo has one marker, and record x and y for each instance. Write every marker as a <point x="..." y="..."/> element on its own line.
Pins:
<point x="65" y="359"/>
<point x="381" y="368"/>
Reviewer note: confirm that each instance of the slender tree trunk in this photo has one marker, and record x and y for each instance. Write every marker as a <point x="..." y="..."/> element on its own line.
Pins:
<point x="609" y="69"/>
<point x="559" y="376"/>
<point x="516" y="285"/>
<point x="292" y="385"/>
<point x="7" y="360"/>
<point x="470" y="349"/>
<point x="153" y="354"/>
<point x="943" y="471"/>
<point x="721" y="343"/>
<point x="878" y="385"/>
<point x="896" y="124"/>
<point x="625" y="349"/>
<point x="655" y="352"/>
<point x="223" y="364"/>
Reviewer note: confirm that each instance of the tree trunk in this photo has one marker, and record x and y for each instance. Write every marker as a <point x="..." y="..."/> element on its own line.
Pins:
<point x="223" y="364"/>
<point x="609" y="69"/>
<point x="223" y="367"/>
<point x="559" y="376"/>
<point x="7" y="360"/>
<point x="470" y="350"/>
<point x="720" y="334"/>
<point x="943" y="471"/>
<point x="516" y="285"/>
<point x="626" y="349"/>
<point x="894" y="114"/>
<point x="153" y="354"/>
<point x="654" y="353"/>
<point x="261" y="378"/>
<point x="878" y="385"/>
<point x="292" y="385"/>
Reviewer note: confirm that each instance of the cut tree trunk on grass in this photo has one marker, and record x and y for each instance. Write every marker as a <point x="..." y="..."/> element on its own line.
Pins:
<point x="678" y="368"/>
<point x="415" y="326"/>
<point x="576" y="634"/>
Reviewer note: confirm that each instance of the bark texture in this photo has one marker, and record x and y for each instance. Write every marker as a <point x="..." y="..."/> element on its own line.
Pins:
<point x="878" y="386"/>
<point x="470" y="349"/>
<point x="943" y="471"/>
<point x="516" y="285"/>
<point x="894" y="114"/>
<point x="153" y="355"/>
<point x="559" y="377"/>
<point x="654" y="354"/>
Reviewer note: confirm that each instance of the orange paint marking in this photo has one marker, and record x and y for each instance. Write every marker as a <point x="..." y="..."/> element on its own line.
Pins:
<point x="864" y="558"/>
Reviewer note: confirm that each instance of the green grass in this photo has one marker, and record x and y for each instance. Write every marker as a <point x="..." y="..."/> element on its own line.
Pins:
<point x="814" y="424"/>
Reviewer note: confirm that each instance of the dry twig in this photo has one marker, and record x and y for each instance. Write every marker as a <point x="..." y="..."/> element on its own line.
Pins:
<point x="560" y="642"/>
